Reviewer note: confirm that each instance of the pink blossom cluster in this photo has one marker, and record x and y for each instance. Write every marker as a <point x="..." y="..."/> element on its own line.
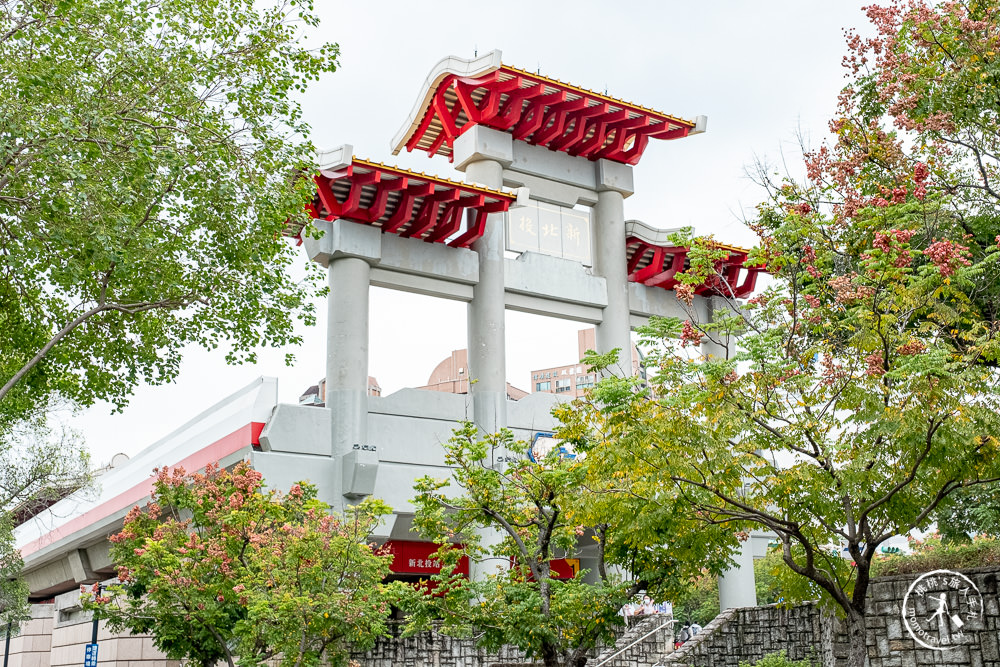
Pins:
<point x="832" y="371"/>
<point x="911" y="348"/>
<point x="684" y="292"/>
<point x="947" y="255"/>
<point x="173" y="477"/>
<point x="890" y="242"/>
<point x="845" y="289"/>
<point x="920" y="174"/>
<point x="875" y="367"/>
<point x="690" y="335"/>
<point x="809" y="259"/>
<point x="789" y="373"/>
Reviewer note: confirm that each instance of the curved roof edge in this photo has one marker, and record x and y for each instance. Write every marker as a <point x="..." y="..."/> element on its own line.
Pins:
<point x="450" y="65"/>
<point x="649" y="234"/>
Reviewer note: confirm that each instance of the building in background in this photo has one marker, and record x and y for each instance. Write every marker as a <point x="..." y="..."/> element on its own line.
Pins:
<point x="452" y="376"/>
<point x="316" y="394"/>
<point x="572" y="380"/>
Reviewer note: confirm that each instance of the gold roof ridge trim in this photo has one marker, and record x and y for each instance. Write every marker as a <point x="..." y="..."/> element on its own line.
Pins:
<point x="602" y="96"/>
<point x="439" y="179"/>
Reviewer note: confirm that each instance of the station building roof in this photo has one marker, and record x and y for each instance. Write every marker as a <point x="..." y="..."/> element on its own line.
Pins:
<point x="403" y="202"/>
<point x="654" y="261"/>
<point x="459" y="94"/>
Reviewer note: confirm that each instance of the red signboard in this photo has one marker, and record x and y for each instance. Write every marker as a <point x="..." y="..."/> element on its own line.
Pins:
<point x="559" y="568"/>
<point x="410" y="557"/>
<point x="564" y="568"/>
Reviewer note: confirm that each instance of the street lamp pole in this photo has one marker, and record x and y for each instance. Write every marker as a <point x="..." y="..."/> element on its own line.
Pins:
<point x="90" y="654"/>
<point x="6" y="648"/>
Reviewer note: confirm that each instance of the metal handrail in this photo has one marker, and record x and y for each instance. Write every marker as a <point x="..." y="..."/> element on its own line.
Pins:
<point x="640" y="639"/>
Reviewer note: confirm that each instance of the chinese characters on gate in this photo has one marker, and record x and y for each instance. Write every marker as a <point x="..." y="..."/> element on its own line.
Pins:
<point x="550" y="230"/>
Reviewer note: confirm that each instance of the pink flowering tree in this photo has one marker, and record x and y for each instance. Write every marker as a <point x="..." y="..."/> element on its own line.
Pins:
<point x="862" y="391"/>
<point x="219" y="569"/>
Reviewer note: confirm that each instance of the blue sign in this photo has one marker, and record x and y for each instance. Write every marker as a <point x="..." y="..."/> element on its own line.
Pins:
<point x="90" y="657"/>
<point x="544" y="443"/>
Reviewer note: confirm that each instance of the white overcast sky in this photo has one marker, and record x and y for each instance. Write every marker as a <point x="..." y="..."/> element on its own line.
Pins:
<point x="761" y="71"/>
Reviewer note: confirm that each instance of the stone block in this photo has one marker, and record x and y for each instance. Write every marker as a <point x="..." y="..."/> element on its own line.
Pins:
<point x="957" y="656"/>
<point x="41" y="643"/>
<point x="483" y="143"/>
<point x="990" y="645"/>
<point x="882" y="592"/>
<point x="129" y="648"/>
<point x="991" y="606"/>
<point x="885" y="608"/>
<point x="71" y="654"/>
<point x="894" y="628"/>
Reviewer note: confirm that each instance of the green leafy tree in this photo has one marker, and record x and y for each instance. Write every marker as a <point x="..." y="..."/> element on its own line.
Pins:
<point x="917" y="122"/>
<point x="39" y="465"/>
<point x="530" y="514"/>
<point x="146" y="154"/>
<point x="217" y="568"/>
<point x="698" y="602"/>
<point x="13" y="589"/>
<point x="863" y="390"/>
<point x="969" y="512"/>
<point x="775" y="583"/>
<point x="844" y="418"/>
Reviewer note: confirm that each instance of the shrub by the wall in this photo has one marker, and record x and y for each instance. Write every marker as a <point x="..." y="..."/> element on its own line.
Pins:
<point x="779" y="659"/>
<point x="933" y="553"/>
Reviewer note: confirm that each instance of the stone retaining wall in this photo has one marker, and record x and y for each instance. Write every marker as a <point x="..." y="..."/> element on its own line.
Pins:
<point x="748" y="634"/>
<point x="890" y="645"/>
<point x="805" y="632"/>
<point x="431" y="649"/>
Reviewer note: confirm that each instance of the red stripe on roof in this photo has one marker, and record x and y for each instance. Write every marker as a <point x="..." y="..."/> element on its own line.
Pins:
<point x="242" y="437"/>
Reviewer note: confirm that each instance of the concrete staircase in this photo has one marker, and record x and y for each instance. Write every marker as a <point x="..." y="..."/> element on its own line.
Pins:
<point x="642" y="645"/>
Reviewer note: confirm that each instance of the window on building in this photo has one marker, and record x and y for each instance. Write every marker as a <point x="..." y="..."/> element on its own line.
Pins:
<point x="543" y="386"/>
<point x="562" y="383"/>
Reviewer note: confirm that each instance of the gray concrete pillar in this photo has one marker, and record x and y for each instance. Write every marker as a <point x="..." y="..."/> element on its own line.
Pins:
<point x="349" y="250"/>
<point x="486" y="333"/>
<point x="737" y="587"/>
<point x="347" y="351"/>
<point x="610" y="263"/>
<point x="347" y="377"/>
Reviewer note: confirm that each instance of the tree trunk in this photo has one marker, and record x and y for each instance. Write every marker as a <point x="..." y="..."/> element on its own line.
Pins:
<point x="550" y="656"/>
<point x="856" y="636"/>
